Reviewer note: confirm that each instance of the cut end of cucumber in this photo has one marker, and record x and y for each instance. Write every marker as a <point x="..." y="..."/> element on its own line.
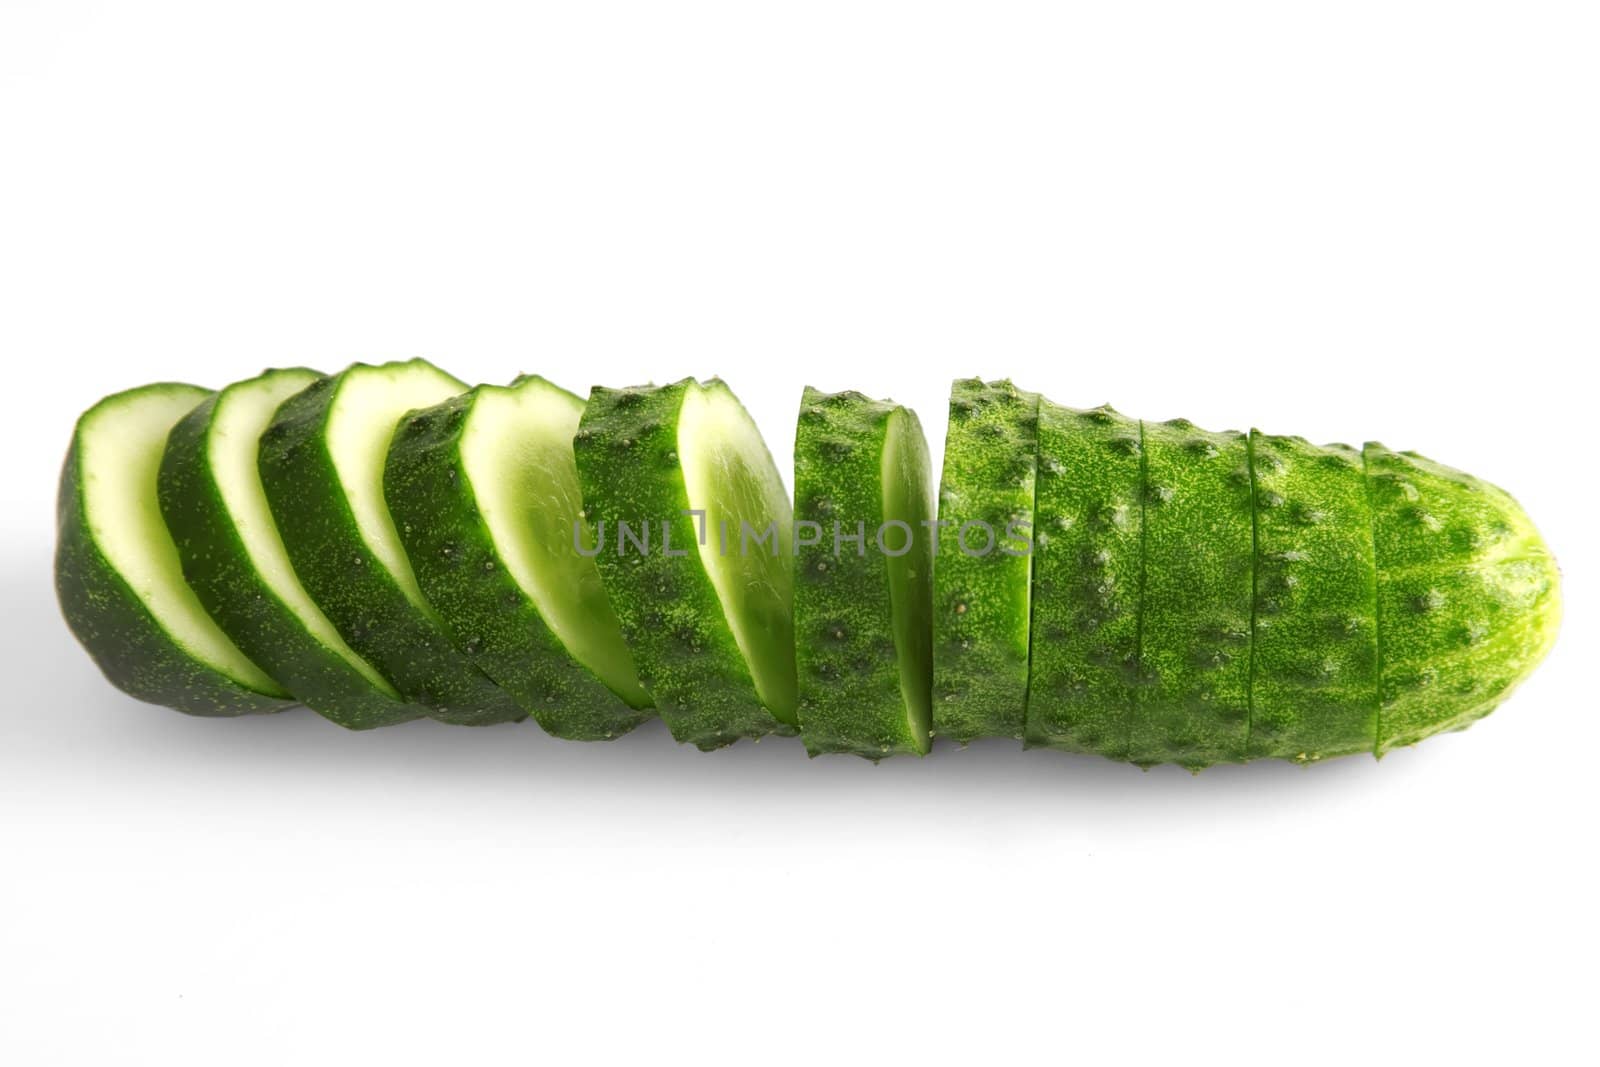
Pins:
<point x="517" y="451"/>
<point x="361" y="423"/>
<point x="243" y="413"/>
<point x="121" y="442"/>
<point x="729" y="474"/>
<point x="908" y="498"/>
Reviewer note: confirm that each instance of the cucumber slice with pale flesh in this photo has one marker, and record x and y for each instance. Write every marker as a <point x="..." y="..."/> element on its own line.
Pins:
<point x="117" y="572"/>
<point x="694" y="537"/>
<point x="863" y="607"/>
<point x="484" y="492"/>
<point x="234" y="558"/>
<point x="321" y="461"/>
<point x="982" y="572"/>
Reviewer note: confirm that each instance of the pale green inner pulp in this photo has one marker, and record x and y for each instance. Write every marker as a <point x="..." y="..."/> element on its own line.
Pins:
<point x="120" y="448"/>
<point x="242" y="415"/>
<point x="516" y="453"/>
<point x="729" y="473"/>
<point x="908" y="497"/>
<point x="369" y="405"/>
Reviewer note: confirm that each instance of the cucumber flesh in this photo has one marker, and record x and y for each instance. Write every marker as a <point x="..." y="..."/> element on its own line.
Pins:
<point x="234" y="557"/>
<point x="863" y="618"/>
<point x="729" y="474"/>
<point x="118" y="574"/>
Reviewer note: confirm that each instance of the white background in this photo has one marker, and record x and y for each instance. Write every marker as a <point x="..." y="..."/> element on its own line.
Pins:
<point x="1349" y="221"/>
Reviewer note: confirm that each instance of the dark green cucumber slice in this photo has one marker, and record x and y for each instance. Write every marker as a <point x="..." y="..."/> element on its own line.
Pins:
<point x="117" y="572"/>
<point x="321" y="463"/>
<point x="484" y="490"/>
<point x="1313" y="683"/>
<point x="981" y="577"/>
<point x="862" y="610"/>
<point x="1468" y="596"/>
<point x="1193" y="703"/>
<point x="709" y="619"/>
<point x="1084" y="665"/>
<point x="235" y="560"/>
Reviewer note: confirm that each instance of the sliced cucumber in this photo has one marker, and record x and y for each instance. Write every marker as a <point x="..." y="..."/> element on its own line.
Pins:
<point x="234" y="558"/>
<point x="982" y="573"/>
<point x="1314" y="684"/>
<point x="321" y="464"/>
<point x="1084" y="667"/>
<point x="1193" y="704"/>
<point x="862" y="612"/>
<point x="118" y="576"/>
<point x="709" y="618"/>
<point x="485" y="492"/>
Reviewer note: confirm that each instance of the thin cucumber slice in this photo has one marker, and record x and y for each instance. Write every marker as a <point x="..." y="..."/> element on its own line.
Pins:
<point x="1469" y="597"/>
<point x="1193" y="703"/>
<point x="118" y="576"/>
<point x="1314" y="653"/>
<point x="863" y="609"/>
<point x="235" y="560"/>
<point x="1084" y="666"/>
<point x="705" y="600"/>
<point x="982" y="575"/>
<point x="321" y="464"/>
<point x="484" y="490"/>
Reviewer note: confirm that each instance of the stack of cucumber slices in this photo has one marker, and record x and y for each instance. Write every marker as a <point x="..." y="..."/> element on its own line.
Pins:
<point x="386" y="544"/>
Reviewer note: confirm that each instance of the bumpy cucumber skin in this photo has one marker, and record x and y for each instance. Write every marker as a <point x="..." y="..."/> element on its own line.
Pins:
<point x="1314" y="651"/>
<point x="364" y="602"/>
<point x="113" y="625"/>
<point x="1468" y="595"/>
<point x="687" y="658"/>
<point x="1084" y="666"/>
<point x="463" y="576"/>
<point x="851" y="699"/>
<point x="981" y="603"/>
<point x="1193" y="701"/>
<point x="217" y="566"/>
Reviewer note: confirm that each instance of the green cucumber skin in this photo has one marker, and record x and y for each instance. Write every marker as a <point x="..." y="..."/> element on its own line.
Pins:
<point x="217" y="566"/>
<point x="369" y="609"/>
<point x="1193" y="701"/>
<point x="1314" y="683"/>
<point x="1084" y="666"/>
<point x="463" y="576"/>
<point x="851" y="699"/>
<point x="981" y="604"/>
<point x="117" y="630"/>
<point x="687" y="658"/>
<point x="1468" y="595"/>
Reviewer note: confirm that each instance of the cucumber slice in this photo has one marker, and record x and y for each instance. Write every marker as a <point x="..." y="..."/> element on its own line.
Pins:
<point x="982" y="574"/>
<point x="1193" y="701"/>
<point x="1469" y="597"/>
<point x="485" y="492"/>
<point x="235" y="560"/>
<point x="1084" y="665"/>
<point x="321" y="464"/>
<point x="1314" y="651"/>
<point x="117" y="572"/>
<point x="862" y="614"/>
<point x="711" y="626"/>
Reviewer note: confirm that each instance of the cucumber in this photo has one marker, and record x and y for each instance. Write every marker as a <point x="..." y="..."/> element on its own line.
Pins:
<point x="1314" y="650"/>
<point x="321" y="462"/>
<point x="484" y="490"/>
<point x="982" y="584"/>
<point x="1087" y="575"/>
<point x="1468" y="596"/>
<point x="117" y="573"/>
<point x="711" y="625"/>
<point x="235" y="560"/>
<point x="862" y="614"/>
<point x="1193" y="700"/>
